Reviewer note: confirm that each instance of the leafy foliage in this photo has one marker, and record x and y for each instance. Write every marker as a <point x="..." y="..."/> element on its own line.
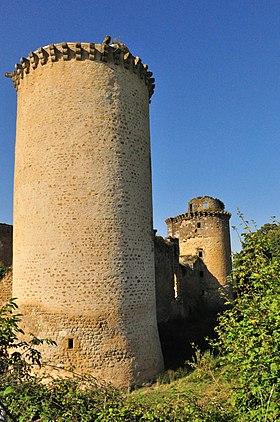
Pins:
<point x="29" y="397"/>
<point x="16" y="357"/>
<point x="248" y="333"/>
<point x="246" y="368"/>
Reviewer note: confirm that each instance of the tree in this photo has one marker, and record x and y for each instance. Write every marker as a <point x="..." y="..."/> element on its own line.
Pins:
<point x="248" y="332"/>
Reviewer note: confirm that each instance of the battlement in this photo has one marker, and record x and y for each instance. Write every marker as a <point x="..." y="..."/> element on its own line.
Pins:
<point x="188" y="216"/>
<point x="201" y="206"/>
<point x="116" y="53"/>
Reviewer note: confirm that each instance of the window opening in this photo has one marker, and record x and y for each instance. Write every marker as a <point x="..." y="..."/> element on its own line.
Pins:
<point x="201" y="274"/>
<point x="198" y="225"/>
<point x="70" y="343"/>
<point x="202" y="292"/>
<point x="177" y="289"/>
<point x="200" y="253"/>
<point x="205" y="205"/>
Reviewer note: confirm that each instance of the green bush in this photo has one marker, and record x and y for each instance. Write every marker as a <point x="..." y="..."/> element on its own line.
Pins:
<point x="248" y="333"/>
<point x="29" y="397"/>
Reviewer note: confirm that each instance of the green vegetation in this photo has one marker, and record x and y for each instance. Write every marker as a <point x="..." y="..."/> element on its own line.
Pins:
<point x="248" y="333"/>
<point x="239" y="383"/>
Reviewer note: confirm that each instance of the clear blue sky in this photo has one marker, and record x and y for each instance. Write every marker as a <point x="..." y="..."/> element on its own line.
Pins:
<point x="215" y="113"/>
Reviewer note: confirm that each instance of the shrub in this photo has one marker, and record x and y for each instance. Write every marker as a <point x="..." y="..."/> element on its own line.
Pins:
<point x="248" y="332"/>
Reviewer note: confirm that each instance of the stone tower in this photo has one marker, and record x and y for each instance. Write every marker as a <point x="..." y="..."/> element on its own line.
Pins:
<point x="204" y="232"/>
<point x="83" y="239"/>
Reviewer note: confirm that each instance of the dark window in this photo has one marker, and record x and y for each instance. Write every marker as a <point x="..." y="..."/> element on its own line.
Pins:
<point x="200" y="253"/>
<point x="191" y="207"/>
<point x="201" y="274"/>
<point x="202" y="292"/>
<point x="70" y="343"/>
<point x="198" y="225"/>
<point x="205" y="205"/>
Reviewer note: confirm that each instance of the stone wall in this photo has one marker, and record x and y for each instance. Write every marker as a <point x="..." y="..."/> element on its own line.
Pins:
<point x="6" y="287"/>
<point x="6" y="244"/>
<point x="178" y="285"/>
<point x="169" y="280"/>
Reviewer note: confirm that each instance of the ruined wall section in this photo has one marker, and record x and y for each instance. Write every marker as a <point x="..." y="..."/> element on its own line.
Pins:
<point x="83" y="239"/>
<point x="6" y="244"/>
<point x="169" y="280"/>
<point x="6" y="287"/>
<point x="178" y="284"/>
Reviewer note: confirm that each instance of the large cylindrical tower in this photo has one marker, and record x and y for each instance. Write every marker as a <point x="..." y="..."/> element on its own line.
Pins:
<point x="83" y="240"/>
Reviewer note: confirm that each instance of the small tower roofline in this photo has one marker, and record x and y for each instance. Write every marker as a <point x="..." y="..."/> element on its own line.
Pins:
<point x="205" y="203"/>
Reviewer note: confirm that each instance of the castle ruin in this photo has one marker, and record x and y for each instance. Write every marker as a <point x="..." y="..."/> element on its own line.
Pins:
<point x="84" y="249"/>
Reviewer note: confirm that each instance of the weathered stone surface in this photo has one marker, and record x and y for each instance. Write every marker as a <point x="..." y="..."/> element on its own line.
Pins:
<point x="6" y="287"/>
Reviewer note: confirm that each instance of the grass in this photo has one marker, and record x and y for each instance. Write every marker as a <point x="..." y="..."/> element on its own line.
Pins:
<point x="199" y="390"/>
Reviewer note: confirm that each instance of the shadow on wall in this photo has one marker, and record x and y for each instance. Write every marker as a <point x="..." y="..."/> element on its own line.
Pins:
<point x="189" y="298"/>
<point x="6" y="244"/>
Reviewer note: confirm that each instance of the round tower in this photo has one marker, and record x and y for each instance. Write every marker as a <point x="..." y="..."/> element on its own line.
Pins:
<point x="204" y="232"/>
<point x="83" y="239"/>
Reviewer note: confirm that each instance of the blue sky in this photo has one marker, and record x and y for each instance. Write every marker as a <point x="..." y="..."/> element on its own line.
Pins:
<point x="215" y="113"/>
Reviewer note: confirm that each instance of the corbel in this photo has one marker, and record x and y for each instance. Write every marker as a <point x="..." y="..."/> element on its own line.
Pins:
<point x="33" y="59"/>
<point x="43" y="57"/>
<point x="127" y="59"/>
<point x="78" y="51"/>
<point x="65" y="51"/>
<point x="91" y="54"/>
<point x="105" y="53"/>
<point x="25" y="65"/>
<point x="136" y="64"/>
<point x="53" y="52"/>
<point x="19" y="70"/>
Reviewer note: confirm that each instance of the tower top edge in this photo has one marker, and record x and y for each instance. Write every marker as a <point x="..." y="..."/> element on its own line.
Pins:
<point x="192" y="215"/>
<point x="115" y="53"/>
<point x="201" y="206"/>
